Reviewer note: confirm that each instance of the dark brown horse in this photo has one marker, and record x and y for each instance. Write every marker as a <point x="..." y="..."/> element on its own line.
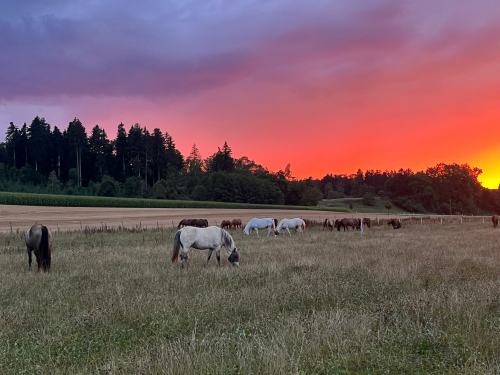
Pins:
<point x="225" y="224"/>
<point x="346" y="223"/>
<point x="236" y="223"/>
<point x="184" y="223"/>
<point x="396" y="223"/>
<point x="327" y="224"/>
<point x="39" y="239"/>
<point x="494" y="218"/>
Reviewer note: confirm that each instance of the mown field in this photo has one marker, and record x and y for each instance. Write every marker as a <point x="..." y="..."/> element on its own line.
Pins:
<point x="423" y="299"/>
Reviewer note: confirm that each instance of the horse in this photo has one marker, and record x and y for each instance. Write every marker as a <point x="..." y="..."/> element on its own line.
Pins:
<point x="256" y="224"/>
<point x="346" y="223"/>
<point x="184" y="223"/>
<point x="199" y="223"/>
<point x="396" y="223"/>
<point x="494" y="218"/>
<point x="225" y="224"/>
<point x="39" y="239"/>
<point x="211" y="238"/>
<point x="327" y="224"/>
<point x="296" y="223"/>
<point x="367" y="222"/>
<point x="236" y="223"/>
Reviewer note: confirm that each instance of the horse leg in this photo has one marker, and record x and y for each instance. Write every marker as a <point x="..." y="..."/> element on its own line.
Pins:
<point x="184" y="257"/>
<point x="288" y="230"/>
<point x="257" y="231"/>
<point x="29" y="257"/>
<point x="217" y="254"/>
<point x="209" y="255"/>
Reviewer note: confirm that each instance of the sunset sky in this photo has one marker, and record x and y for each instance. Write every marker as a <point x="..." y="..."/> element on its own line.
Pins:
<point x="328" y="86"/>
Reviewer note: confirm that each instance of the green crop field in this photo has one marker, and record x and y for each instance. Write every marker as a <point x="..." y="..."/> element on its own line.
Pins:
<point x="86" y="201"/>
<point x="423" y="299"/>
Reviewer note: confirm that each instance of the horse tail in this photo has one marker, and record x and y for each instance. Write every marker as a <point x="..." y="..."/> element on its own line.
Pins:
<point x="45" y="249"/>
<point x="177" y="246"/>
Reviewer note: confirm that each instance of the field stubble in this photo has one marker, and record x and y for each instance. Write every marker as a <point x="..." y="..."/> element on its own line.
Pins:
<point x="424" y="299"/>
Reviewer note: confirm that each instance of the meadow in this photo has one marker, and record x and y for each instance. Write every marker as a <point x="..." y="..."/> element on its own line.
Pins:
<point x="423" y="299"/>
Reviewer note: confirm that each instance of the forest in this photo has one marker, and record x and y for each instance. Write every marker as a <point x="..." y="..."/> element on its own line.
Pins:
<point x="37" y="158"/>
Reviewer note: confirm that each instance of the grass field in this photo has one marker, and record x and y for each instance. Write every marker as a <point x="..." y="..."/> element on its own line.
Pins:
<point x="423" y="299"/>
<point x="358" y="206"/>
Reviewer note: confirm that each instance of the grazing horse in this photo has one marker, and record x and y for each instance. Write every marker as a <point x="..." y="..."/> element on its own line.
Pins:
<point x="327" y="224"/>
<point x="288" y="224"/>
<point x="39" y="239"/>
<point x="236" y="223"/>
<point x="256" y="224"/>
<point x="184" y="223"/>
<point x="211" y="238"/>
<point x="396" y="223"/>
<point x="225" y="224"/>
<point x="346" y="223"/>
<point x="367" y="222"/>
<point x="494" y="218"/>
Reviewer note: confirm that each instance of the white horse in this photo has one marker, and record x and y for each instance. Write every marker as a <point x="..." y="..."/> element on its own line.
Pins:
<point x="288" y="224"/>
<point x="211" y="238"/>
<point x="256" y="224"/>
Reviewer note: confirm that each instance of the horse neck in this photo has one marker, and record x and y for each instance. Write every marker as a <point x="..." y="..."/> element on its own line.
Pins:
<point x="247" y="227"/>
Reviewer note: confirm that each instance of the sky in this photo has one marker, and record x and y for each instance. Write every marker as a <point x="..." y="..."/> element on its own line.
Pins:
<point x="327" y="86"/>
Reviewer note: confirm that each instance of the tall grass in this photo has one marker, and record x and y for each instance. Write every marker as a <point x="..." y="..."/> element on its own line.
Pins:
<point x="424" y="299"/>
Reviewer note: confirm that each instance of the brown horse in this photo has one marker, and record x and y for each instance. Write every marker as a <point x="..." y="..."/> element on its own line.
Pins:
<point x="327" y="224"/>
<point x="225" y="224"/>
<point x="367" y="222"/>
<point x="236" y="223"/>
<point x="494" y="218"/>
<point x="346" y="223"/>
<point x="396" y="223"/>
<point x="184" y="223"/>
<point x="39" y="239"/>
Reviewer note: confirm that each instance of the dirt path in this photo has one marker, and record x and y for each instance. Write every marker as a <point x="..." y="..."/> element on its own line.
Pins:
<point x="70" y="217"/>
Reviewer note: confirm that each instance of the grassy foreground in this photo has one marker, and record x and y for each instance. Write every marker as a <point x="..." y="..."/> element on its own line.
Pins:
<point x="28" y="199"/>
<point x="424" y="299"/>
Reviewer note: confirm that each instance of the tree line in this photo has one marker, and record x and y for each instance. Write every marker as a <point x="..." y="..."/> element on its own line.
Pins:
<point x="140" y="163"/>
<point x="137" y="163"/>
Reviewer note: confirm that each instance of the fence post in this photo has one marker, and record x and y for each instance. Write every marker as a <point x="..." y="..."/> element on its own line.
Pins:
<point x="58" y="227"/>
<point x="441" y="220"/>
<point x="172" y="224"/>
<point x="123" y="227"/>
<point x="11" y="229"/>
<point x="483" y="219"/>
<point x="81" y="228"/>
<point x="102" y="225"/>
<point x="140" y="225"/>
<point x="420" y="220"/>
<point x="157" y="225"/>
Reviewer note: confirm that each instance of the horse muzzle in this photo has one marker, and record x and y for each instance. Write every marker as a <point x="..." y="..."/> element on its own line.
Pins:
<point x="236" y="264"/>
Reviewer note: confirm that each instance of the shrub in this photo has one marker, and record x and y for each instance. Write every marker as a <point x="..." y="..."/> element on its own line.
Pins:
<point x="368" y="199"/>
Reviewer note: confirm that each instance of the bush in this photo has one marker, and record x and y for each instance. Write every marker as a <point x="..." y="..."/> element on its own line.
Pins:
<point x="108" y="187"/>
<point x="132" y="187"/>
<point x="368" y="199"/>
<point x="159" y="191"/>
<point x="200" y="193"/>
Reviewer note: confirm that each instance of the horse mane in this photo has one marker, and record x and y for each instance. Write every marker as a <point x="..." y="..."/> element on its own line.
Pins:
<point x="227" y="240"/>
<point x="247" y="227"/>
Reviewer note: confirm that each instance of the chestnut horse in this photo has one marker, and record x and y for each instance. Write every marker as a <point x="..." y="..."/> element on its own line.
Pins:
<point x="396" y="223"/>
<point x="494" y="218"/>
<point x="346" y="223"/>
<point x="236" y="223"/>
<point x="225" y="224"/>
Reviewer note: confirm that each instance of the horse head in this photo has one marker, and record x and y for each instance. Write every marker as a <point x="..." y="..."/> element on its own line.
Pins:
<point x="234" y="258"/>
